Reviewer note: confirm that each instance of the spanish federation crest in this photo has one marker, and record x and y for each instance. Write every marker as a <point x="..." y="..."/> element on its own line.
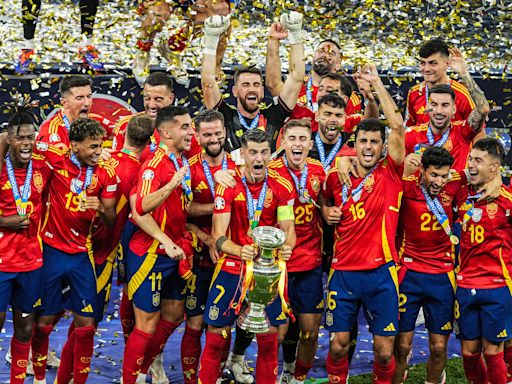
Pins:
<point x="329" y="321"/>
<point x="156" y="299"/>
<point x="191" y="302"/>
<point x="213" y="313"/>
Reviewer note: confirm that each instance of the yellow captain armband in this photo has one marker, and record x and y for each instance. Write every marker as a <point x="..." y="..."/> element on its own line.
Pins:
<point x="285" y="213"/>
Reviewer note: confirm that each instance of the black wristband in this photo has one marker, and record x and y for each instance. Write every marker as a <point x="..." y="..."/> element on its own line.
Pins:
<point x="221" y="240"/>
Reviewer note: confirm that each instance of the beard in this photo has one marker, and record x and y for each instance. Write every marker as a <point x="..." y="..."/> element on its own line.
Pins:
<point x="215" y="153"/>
<point x="322" y="68"/>
<point x="248" y="108"/>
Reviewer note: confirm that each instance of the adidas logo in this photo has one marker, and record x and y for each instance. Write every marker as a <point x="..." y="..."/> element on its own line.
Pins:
<point x="201" y="187"/>
<point x="240" y="197"/>
<point x="37" y="303"/>
<point x="87" y="309"/>
<point x="447" y="327"/>
<point x="502" y="334"/>
<point x="390" y="328"/>
<point x="282" y="316"/>
<point x="320" y="305"/>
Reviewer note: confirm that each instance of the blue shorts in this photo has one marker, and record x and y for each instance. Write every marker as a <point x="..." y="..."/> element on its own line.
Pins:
<point x="124" y="244"/>
<point x="435" y="293"/>
<point x="306" y="291"/>
<point x="376" y="290"/>
<point x="103" y="288"/>
<point x="223" y="291"/>
<point x="63" y="272"/>
<point x="483" y="313"/>
<point x="152" y="278"/>
<point x="197" y="290"/>
<point x="23" y="290"/>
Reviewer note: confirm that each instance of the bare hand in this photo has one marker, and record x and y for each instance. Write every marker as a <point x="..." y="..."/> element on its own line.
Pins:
<point x="177" y="178"/>
<point x="277" y="31"/>
<point x="248" y="253"/>
<point x="412" y="164"/>
<point x="286" y="253"/>
<point x="91" y="202"/>
<point x="174" y="252"/>
<point x="491" y="190"/>
<point x="331" y="215"/>
<point x="364" y="88"/>
<point x="225" y="178"/>
<point x="346" y="167"/>
<point x="212" y="247"/>
<point x="106" y="153"/>
<point x="456" y="61"/>
<point x="14" y="222"/>
<point x="369" y="73"/>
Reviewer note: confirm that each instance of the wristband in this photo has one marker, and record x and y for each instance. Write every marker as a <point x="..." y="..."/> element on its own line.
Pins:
<point x="220" y="241"/>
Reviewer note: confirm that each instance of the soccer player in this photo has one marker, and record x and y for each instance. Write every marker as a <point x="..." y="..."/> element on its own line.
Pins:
<point x="23" y="180"/>
<point x="79" y="190"/>
<point x="155" y="16"/>
<point x="366" y="217"/>
<point x="76" y="100"/>
<point x="162" y="246"/>
<point x="483" y="306"/>
<point x="105" y="241"/>
<point x="305" y="287"/>
<point x="87" y="53"/>
<point x="211" y="135"/>
<point x="260" y="197"/>
<point x="158" y="92"/>
<point x="427" y="254"/>
<point x="441" y="130"/>
<point x="435" y="58"/>
<point x="248" y="88"/>
<point x="327" y="59"/>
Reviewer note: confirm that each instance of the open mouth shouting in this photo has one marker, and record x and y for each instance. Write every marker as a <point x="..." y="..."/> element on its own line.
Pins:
<point x="26" y="154"/>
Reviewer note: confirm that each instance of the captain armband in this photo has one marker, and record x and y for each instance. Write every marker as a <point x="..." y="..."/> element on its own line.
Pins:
<point x="285" y="213"/>
<point x="220" y="241"/>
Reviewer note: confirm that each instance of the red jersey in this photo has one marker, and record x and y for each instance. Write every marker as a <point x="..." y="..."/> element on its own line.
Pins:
<point x="120" y="133"/>
<point x="204" y="195"/>
<point x="55" y="133"/>
<point x="458" y="144"/>
<point x="171" y="215"/>
<point x="425" y="246"/>
<point x="21" y="250"/>
<point x="105" y="240"/>
<point x="486" y="250"/>
<point x="234" y="200"/>
<point x="365" y="235"/>
<point x="302" y="109"/>
<point x="417" y="103"/>
<point x="66" y="227"/>
<point x="307" y="254"/>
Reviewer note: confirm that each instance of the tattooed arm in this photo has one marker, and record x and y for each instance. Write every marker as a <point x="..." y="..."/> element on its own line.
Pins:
<point x="477" y="117"/>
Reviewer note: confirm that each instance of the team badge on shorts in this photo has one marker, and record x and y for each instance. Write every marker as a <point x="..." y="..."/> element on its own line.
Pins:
<point x="156" y="299"/>
<point x="213" y="314"/>
<point x="191" y="302"/>
<point x="329" y="321"/>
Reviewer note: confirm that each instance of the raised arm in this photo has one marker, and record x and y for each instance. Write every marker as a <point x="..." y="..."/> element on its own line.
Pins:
<point x="214" y="27"/>
<point x="297" y="66"/>
<point x="273" y="73"/>
<point x="371" y="109"/>
<point x="396" y="138"/>
<point x="477" y="117"/>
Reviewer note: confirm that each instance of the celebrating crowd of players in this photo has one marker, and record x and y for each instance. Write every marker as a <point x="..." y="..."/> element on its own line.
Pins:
<point x="380" y="207"/>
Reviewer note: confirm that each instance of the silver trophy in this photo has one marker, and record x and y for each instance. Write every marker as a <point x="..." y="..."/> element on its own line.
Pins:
<point x="264" y="287"/>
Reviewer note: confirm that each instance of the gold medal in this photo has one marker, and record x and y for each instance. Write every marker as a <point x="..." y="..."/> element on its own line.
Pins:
<point x="454" y="239"/>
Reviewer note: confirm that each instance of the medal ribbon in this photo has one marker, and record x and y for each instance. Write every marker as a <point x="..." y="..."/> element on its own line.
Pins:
<point x="470" y="212"/>
<point x="254" y="122"/>
<point x="208" y="173"/>
<point x="186" y="183"/>
<point x="326" y="162"/>
<point x="20" y="200"/>
<point x="130" y="153"/>
<point x="88" y="176"/>
<point x="300" y="186"/>
<point x="153" y="145"/>
<point x="441" y="141"/>
<point x="66" y="122"/>
<point x="358" y="190"/>
<point x="437" y="209"/>
<point x="309" y="93"/>
<point x="255" y="212"/>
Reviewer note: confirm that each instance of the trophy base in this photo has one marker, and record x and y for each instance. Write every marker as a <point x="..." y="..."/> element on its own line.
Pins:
<point x="254" y="319"/>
